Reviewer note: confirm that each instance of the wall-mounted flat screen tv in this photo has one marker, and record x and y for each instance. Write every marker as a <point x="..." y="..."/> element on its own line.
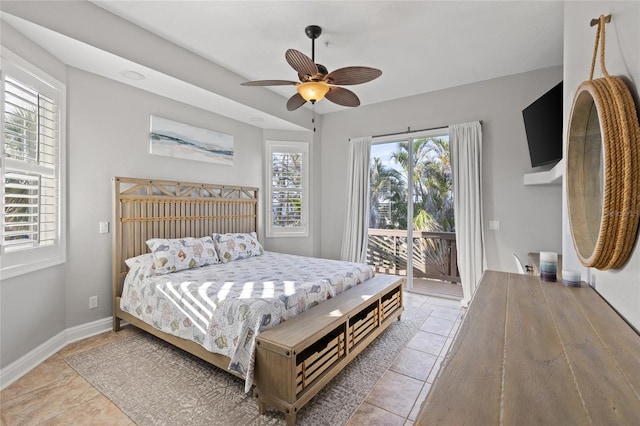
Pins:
<point x="543" y="124"/>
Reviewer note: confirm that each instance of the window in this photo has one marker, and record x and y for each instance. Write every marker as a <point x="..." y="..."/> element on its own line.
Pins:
<point x="31" y="234"/>
<point x="287" y="171"/>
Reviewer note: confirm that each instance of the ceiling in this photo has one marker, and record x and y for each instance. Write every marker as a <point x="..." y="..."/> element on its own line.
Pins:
<point x="420" y="46"/>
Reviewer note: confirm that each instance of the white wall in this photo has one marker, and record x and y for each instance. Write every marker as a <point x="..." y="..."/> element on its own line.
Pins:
<point x="107" y="119"/>
<point x="32" y="306"/>
<point x="530" y="217"/>
<point x="621" y="288"/>
<point x="94" y="26"/>
<point x="108" y="135"/>
<point x="299" y="245"/>
<point x="108" y="128"/>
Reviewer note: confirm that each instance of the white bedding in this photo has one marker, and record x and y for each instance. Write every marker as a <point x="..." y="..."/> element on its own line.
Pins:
<point x="223" y="306"/>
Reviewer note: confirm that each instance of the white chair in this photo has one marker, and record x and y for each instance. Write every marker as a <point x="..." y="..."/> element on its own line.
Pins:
<point x="519" y="264"/>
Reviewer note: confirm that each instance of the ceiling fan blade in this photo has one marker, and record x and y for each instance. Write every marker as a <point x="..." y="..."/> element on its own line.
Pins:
<point x="295" y="102"/>
<point x="301" y="63"/>
<point x="269" y="83"/>
<point x="342" y="96"/>
<point x="352" y="75"/>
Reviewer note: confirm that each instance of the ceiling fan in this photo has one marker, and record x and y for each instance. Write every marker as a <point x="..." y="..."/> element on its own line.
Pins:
<point x="316" y="82"/>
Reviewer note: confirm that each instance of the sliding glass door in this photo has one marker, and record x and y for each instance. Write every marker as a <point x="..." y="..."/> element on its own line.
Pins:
<point x="411" y="225"/>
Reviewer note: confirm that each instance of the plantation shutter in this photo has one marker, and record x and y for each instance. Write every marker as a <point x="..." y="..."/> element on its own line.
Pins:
<point x="287" y="176"/>
<point x="287" y="190"/>
<point x="30" y="147"/>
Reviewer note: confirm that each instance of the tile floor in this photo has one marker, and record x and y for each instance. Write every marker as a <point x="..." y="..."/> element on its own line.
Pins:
<point x="54" y="394"/>
<point x="396" y="398"/>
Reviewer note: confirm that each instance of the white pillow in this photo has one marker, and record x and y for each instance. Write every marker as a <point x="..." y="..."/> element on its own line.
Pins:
<point x="182" y="253"/>
<point x="237" y="246"/>
<point x="143" y="258"/>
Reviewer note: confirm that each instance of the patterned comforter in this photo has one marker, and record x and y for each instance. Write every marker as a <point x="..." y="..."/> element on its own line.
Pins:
<point x="223" y="306"/>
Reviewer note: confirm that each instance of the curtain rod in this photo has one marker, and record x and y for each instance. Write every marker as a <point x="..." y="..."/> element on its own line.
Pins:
<point x="412" y="131"/>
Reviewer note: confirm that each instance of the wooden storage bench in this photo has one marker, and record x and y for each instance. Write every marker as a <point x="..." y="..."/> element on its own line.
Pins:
<point x="298" y="357"/>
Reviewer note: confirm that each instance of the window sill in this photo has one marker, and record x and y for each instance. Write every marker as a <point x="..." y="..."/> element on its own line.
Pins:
<point x="18" y="269"/>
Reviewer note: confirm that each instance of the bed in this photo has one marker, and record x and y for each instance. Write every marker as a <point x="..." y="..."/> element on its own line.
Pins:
<point x="253" y="313"/>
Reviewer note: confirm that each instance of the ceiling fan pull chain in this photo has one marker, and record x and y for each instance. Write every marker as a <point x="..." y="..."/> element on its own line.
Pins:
<point x="313" y="116"/>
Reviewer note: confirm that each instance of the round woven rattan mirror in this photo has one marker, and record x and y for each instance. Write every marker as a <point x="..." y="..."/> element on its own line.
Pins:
<point x="585" y="175"/>
<point x="603" y="168"/>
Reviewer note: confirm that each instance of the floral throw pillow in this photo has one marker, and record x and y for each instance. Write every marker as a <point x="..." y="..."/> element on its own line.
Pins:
<point x="182" y="253"/>
<point x="237" y="246"/>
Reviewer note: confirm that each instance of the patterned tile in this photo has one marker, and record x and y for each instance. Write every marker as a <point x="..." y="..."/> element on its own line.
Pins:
<point x="97" y="340"/>
<point x="47" y="402"/>
<point x="98" y="411"/>
<point x="437" y="325"/>
<point x="413" y="363"/>
<point x="414" y="299"/>
<point x="446" y="313"/>
<point x="368" y="414"/>
<point x="447" y="303"/>
<point x="51" y="371"/>
<point x="423" y="395"/>
<point x="427" y="342"/>
<point x="395" y="393"/>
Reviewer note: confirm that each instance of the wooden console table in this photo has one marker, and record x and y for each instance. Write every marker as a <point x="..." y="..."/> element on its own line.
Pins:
<point x="537" y="353"/>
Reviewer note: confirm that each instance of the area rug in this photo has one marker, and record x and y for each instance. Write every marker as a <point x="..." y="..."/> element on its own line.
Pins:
<point x="155" y="383"/>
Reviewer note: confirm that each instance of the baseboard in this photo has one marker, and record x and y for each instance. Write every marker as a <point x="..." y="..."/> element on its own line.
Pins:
<point x="89" y="329"/>
<point x="31" y="360"/>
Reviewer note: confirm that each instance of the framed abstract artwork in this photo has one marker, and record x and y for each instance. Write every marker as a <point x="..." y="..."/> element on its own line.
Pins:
<point x="178" y="140"/>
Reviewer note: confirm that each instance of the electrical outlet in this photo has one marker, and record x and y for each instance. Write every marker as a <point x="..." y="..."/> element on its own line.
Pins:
<point x="494" y="225"/>
<point x="93" y="302"/>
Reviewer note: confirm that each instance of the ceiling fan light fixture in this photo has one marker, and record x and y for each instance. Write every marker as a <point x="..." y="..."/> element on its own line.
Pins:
<point x="316" y="82"/>
<point x="313" y="91"/>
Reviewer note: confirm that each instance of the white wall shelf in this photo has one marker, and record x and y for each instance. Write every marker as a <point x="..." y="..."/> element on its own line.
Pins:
<point x="548" y="177"/>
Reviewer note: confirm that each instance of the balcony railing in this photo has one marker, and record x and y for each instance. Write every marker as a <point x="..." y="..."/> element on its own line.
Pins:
<point x="434" y="253"/>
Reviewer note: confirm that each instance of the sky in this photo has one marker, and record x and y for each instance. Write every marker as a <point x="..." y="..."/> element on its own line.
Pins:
<point x="383" y="151"/>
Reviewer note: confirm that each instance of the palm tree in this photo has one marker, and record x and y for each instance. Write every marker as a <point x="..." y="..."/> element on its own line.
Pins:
<point x="385" y="184"/>
<point x="431" y="177"/>
<point x="401" y="156"/>
<point x="437" y="179"/>
<point x="429" y="252"/>
<point x="21" y="127"/>
<point x="287" y="172"/>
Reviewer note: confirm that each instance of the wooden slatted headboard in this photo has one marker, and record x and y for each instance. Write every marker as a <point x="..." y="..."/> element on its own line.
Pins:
<point x="145" y="209"/>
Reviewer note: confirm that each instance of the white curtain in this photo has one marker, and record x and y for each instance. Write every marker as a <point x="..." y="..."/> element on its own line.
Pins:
<point x="354" y="238"/>
<point x="465" y="143"/>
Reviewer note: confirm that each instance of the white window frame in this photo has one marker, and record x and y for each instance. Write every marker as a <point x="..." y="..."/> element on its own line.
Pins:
<point x="25" y="260"/>
<point x="302" y="148"/>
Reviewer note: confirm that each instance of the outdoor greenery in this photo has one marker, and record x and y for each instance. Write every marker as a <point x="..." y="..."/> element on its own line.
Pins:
<point x="287" y="189"/>
<point x="20" y="189"/>
<point x="432" y="193"/>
